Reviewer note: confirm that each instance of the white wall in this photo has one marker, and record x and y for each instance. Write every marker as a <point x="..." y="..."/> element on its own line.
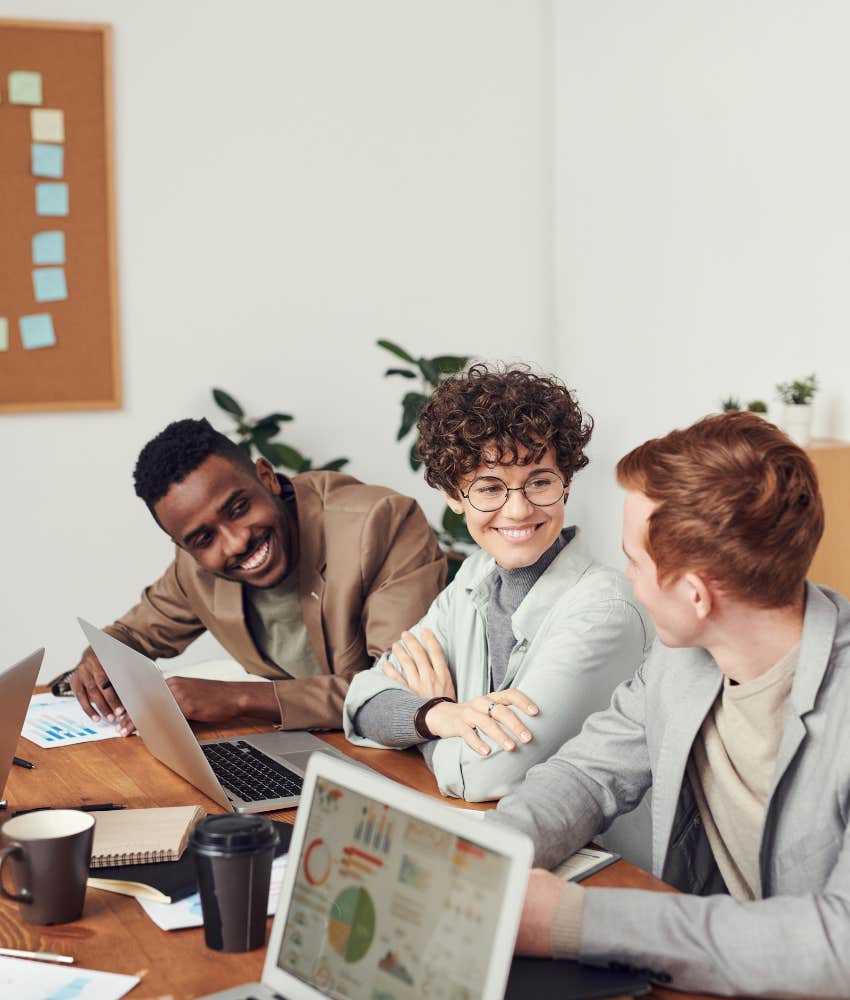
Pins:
<point x="294" y="181"/>
<point x="702" y="229"/>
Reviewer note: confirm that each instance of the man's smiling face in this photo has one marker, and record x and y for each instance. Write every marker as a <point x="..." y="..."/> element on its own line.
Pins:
<point x="231" y="520"/>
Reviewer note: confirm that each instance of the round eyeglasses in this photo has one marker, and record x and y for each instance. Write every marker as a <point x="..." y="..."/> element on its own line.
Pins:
<point x="489" y="493"/>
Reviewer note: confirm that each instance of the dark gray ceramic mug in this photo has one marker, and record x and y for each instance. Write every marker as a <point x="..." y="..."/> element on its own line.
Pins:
<point x="47" y="855"/>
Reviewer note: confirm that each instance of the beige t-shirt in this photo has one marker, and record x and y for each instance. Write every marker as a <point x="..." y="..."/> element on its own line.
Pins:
<point x="277" y="627"/>
<point x="731" y="770"/>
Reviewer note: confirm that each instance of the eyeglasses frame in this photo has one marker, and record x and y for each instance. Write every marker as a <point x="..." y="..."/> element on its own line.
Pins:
<point x="513" y="489"/>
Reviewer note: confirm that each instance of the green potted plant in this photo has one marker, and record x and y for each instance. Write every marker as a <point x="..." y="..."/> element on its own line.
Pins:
<point x="731" y="404"/>
<point x="758" y="406"/>
<point x="797" y="397"/>
<point x="257" y="435"/>
<point x="429" y="372"/>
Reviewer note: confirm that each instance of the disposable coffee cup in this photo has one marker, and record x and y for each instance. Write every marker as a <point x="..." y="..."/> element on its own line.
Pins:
<point x="233" y="857"/>
<point x="46" y="855"/>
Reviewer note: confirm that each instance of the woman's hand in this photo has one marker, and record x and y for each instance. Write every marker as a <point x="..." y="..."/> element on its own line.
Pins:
<point x="426" y="672"/>
<point x="487" y="714"/>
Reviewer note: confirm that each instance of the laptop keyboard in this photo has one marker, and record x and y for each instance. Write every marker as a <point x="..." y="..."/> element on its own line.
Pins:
<point x="251" y="775"/>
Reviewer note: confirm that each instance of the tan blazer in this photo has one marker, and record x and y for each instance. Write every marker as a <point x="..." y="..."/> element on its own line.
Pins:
<point x="369" y="566"/>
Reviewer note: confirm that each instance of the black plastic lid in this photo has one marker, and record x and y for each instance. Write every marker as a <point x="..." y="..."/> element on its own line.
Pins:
<point x="233" y="834"/>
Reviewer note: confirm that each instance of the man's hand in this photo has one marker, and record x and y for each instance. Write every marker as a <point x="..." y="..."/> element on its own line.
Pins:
<point x="488" y="713"/>
<point x="220" y="701"/>
<point x="535" y="926"/>
<point x="95" y="693"/>
<point x="426" y="672"/>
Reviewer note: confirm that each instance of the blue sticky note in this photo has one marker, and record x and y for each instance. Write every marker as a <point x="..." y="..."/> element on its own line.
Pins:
<point x="37" y="331"/>
<point x="47" y="161"/>
<point x="51" y="199"/>
<point x="49" y="284"/>
<point x="48" y="248"/>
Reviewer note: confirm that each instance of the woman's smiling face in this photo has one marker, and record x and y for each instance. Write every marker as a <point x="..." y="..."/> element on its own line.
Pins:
<point x="518" y="533"/>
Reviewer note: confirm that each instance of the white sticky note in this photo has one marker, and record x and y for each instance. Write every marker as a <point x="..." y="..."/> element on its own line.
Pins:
<point x="24" y="87"/>
<point x="4" y="334"/>
<point x="47" y="125"/>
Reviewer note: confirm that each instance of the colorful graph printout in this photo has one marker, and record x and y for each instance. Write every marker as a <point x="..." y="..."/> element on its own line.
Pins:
<point x="26" y="980"/>
<point x="60" y="722"/>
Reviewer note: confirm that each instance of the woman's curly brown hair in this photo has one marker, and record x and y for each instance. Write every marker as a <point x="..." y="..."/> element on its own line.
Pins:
<point x="487" y="416"/>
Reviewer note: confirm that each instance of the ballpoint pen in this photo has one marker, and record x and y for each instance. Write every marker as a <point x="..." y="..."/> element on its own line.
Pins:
<point x="22" y="763"/>
<point x="39" y="956"/>
<point x="93" y="807"/>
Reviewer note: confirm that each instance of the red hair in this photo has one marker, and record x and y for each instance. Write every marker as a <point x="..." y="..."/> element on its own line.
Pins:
<point x="736" y="501"/>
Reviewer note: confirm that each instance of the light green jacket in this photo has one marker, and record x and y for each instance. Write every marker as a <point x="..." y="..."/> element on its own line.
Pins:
<point x="579" y="634"/>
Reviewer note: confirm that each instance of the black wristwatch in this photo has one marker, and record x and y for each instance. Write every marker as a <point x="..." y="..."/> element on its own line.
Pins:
<point x="419" y="719"/>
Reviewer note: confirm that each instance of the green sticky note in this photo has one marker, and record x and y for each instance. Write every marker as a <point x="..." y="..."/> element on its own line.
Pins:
<point x="24" y="87"/>
<point x="4" y="334"/>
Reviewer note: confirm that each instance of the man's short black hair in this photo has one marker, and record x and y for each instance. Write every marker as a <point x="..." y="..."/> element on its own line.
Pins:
<point x="175" y="452"/>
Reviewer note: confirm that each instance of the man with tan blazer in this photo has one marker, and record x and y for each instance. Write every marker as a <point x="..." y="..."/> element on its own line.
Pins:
<point x="303" y="581"/>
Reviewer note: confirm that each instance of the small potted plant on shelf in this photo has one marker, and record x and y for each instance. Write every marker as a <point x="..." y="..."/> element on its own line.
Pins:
<point x="758" y="406"/>
<point x="731" y="404"/>
<point x="797" y="398"/>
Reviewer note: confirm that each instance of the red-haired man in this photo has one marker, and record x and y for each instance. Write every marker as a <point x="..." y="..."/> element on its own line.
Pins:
<point x="737" y="720"/>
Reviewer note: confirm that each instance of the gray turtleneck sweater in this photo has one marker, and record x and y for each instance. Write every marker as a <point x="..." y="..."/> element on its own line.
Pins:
<point x="388" y="717"/>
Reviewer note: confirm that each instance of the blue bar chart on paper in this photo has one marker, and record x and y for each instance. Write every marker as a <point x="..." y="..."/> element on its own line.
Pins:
<point x="60" y="722"/>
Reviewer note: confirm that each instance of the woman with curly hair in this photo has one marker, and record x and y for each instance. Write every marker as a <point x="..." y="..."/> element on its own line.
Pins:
<point x="533" y="635"/>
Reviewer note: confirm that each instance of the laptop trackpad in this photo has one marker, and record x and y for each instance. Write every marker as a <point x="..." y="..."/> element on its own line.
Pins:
<point x="298" y="760"/>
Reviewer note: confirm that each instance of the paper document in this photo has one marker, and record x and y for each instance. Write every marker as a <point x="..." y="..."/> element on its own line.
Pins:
<point x="25" y="980"/>
<point x="187" y="912"/>
<point x="59" y="722"/>
<point x="586" y="861"/>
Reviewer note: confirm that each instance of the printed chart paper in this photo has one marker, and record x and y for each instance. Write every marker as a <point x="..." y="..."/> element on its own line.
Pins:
<point x="60" y="722"/>
<point x="25" y="980"/>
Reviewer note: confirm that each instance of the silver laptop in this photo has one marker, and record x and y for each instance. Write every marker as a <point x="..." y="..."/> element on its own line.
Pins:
<point x="254" y="773"/>
<point x="16" y="687"/>
<point x="388" y="895"/>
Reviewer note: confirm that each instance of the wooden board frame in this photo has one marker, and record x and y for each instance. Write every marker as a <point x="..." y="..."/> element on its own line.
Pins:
<point x="88" y="376"/>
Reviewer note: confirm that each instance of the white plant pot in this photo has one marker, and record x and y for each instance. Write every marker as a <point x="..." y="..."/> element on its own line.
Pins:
<point x="797" y="422"/>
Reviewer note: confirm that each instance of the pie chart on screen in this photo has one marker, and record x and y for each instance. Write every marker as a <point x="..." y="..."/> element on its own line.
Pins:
<point x="351" y="928"/>
<point x="317" y="862"/>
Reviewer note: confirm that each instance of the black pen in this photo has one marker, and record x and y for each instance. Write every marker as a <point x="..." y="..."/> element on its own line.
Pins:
<point x="22" y="763"/>
<point x="92" y="808"/>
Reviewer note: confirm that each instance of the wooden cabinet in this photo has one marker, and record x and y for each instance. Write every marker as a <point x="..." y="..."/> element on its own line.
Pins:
<point x="831" y="564"/>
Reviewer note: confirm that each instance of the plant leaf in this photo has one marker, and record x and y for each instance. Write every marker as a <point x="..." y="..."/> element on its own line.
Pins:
<point x="399" y="352"/>
<point x="245" y="445"/>
<point x="454" y="525"/>
<point x="411" y="406"/>
<point x="406" y="372"/>
<point x="449" y="364"/>
<point x="305" y="465"/>
<point x="227" y="403"/>
<point x="334" y="465"/>
<point x="280" y="454"/>
<point x="429" y="371"/>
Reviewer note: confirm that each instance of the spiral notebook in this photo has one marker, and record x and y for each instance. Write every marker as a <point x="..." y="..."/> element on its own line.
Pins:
<point x="141" y="836"/>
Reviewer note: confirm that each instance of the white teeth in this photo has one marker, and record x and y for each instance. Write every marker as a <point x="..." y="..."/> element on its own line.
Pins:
<point x="257" y="559"/>
<point x="517" y="532"/>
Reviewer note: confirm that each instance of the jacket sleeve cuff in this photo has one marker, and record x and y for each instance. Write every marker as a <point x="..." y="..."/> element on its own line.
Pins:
<point x="566" y="922"/>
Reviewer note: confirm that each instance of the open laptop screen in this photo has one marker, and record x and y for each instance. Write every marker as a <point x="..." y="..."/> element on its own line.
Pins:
<point x="388" y="907"/>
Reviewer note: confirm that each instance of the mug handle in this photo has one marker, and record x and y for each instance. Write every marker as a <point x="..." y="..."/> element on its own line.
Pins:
<point x="25" y="896"/>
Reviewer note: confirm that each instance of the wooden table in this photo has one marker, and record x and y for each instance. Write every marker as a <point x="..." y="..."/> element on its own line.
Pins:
<point x="114" y="933"/>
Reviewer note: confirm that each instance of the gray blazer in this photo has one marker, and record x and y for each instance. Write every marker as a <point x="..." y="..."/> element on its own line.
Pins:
<point x="794" y="938"/>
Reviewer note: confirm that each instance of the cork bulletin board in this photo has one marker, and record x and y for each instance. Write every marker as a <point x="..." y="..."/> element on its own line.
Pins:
<point x="59" y="347"/>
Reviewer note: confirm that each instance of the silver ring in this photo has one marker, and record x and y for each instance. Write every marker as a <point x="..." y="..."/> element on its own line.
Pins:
<point x="490" y="706"/>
